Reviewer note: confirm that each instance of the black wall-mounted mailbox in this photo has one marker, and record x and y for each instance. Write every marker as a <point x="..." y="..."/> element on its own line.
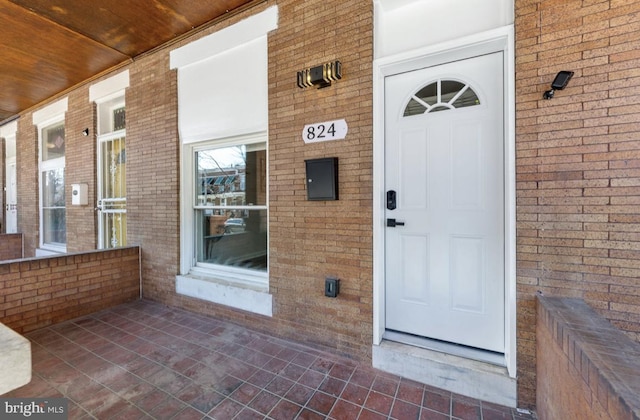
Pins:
<point x="322" y="178"/>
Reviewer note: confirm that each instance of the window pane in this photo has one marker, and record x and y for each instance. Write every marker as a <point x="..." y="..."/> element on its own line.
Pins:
<point x="111" y="116"/>
<point x="414" y="108"/>
<point x="441" y="101"/>
<point x="54" y="225"/>
<point x="232" y="237"/>
<point x="53" y="188"/>
<point x="429" y="94"/>
<point x="450" y="88"/>
<point x="468" y="98"/>
<point x="232" y="176"/>
<point x="119" y="118"/>
<point x="53" y="142"/>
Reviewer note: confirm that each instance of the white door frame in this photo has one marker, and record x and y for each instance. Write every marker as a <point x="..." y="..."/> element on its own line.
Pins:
<point x="501" y="39"/>
<point x="11" y="220"/>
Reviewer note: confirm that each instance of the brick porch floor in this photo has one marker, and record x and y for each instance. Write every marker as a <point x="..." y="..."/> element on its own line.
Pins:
<point x="144" y="360"/>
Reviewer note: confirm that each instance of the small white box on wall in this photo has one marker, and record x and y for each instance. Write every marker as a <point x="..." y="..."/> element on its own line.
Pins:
<point x="79" y="195"/>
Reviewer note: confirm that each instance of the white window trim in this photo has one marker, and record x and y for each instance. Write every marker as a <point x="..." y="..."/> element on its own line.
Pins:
<point x="111" y="107"/>
<point x="109" y="88"/>
<point x="44" y="166"/>
<point x="243" y="32"/>
<point x="235" y="287"/>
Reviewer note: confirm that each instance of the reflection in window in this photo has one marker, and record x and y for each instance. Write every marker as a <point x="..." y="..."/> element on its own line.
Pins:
<point x="54" y="225"/>
<point x="53" y="142"/>
<point x="441" y="95"/>
<point x="231" y="206"/>
<point x="52" y="203"/>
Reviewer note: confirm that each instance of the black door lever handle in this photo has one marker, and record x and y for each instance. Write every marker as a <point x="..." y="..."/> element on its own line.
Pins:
<point x="393" y="223"/>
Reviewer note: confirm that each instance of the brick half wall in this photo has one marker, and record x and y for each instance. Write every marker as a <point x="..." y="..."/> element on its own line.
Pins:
<point x="37" y="292"/>
<point x="587" y="368"/>
<point x="11" y="246"/>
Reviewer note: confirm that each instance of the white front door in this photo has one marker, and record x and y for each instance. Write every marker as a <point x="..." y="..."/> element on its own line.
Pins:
<point x="444" y="182"/>
<point x="11" y="213"/>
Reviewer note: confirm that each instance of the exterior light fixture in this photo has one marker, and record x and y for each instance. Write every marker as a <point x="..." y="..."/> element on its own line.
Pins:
<point x="85" y="132"/>
<point x="320" y="76"/>
<point x="559" y="83"/>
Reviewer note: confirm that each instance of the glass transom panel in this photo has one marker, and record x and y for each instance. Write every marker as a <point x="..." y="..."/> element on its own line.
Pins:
<point x="441" y="95"/>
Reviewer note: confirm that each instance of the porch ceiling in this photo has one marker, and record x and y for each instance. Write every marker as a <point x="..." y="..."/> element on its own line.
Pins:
<point x="49" y="46"/>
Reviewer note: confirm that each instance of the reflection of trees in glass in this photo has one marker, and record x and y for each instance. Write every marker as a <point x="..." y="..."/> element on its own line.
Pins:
<point x="221" y="172"/>
<point x="54" y="214"/>
<point x="53" y="142"/>
<point x="231" y="188"/>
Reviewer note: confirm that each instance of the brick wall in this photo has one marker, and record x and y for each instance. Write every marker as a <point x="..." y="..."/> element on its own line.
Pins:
<point x="153" y="172"/>
<point x="308" y="240"/>
<point x="311" y="240"/>
<point x="27" y="181"/>
<point x="586" y="367"/>
<point x="11" y="246"/>
<point x="578" y="164"/>
<point x="80" y="168"/>
<point x="43" y="291"/>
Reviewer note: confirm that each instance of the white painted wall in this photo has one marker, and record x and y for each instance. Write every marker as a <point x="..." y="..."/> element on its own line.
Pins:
<point x="404" y="25"/>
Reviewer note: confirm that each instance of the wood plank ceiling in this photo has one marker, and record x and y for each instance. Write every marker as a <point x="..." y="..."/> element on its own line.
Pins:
<point x="49" y="46"/>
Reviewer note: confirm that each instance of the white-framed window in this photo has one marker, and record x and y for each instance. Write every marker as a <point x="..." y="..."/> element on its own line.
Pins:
<point x="228" y="210"/>
<point x="223" y="115"/>
<point x="53" y="223"/>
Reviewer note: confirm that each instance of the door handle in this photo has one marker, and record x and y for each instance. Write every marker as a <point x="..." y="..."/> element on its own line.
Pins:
<point x="393" y="223"/>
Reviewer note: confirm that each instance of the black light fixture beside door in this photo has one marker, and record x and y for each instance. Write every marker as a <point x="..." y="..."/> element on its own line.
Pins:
<point x="560" y="82"/>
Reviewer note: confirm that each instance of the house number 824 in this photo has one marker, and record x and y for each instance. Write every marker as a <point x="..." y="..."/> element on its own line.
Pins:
<point x="325" y="131"/>
<point x="318" y="131"/>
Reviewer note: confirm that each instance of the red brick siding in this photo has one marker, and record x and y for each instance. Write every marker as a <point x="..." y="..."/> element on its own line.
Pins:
<point x="577" y="164"/>
<point x="311" y="240"/>
<point x="80" y="168"/>
<point x="153" y="172"/>
<point x="27" y="181"/>
<point x="11" y="246"/>
<point x="44" y="291"/>
<point x="582" y="375"/>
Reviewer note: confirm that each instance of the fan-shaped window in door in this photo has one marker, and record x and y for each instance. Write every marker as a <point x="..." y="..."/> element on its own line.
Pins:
<point x="441" y="95"/>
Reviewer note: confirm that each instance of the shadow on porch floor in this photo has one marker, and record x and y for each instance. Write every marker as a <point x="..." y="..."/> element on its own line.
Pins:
<point x="144" y="360"/>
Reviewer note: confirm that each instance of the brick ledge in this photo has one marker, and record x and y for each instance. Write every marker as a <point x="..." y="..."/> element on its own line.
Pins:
<point x="607" y="359"/>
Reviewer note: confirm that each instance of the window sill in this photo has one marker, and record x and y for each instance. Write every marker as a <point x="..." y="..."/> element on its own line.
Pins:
<point x="44" y="252"/>
<point x="251" y="298"/>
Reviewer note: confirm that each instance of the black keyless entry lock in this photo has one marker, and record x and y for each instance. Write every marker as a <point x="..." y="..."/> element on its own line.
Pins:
<point x="391" y="200"/>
